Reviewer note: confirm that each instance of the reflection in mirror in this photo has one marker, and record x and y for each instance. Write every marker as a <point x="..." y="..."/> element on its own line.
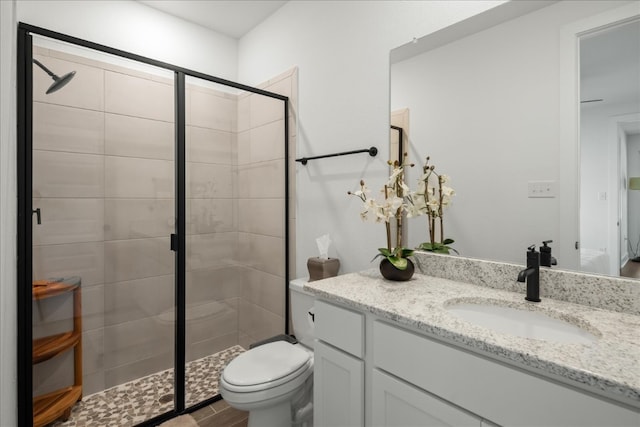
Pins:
<point x="397" y="141"/>
<point x="489" y="106"/>
<point x="609" y="145"/>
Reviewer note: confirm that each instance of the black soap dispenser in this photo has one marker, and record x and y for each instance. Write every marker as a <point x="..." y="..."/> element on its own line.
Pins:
<point x="546" y="260"/>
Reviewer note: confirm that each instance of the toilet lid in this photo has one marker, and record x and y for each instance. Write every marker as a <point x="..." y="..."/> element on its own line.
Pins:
<point x="265" y="363"/>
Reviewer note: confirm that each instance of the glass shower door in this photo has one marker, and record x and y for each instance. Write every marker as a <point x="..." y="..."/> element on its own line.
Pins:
<point x="235" y="228"/>
<point x="104" y="209"/>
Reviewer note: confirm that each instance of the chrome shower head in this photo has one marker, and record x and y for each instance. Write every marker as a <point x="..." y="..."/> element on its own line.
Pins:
<point x="58" y="82"/>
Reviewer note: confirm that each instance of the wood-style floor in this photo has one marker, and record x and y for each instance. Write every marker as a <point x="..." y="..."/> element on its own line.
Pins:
<point x="631" y="269"/>
<point x="220" y="414"/>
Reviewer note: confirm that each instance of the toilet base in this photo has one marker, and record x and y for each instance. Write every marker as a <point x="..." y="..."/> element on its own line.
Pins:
<point x="274" y="416"/>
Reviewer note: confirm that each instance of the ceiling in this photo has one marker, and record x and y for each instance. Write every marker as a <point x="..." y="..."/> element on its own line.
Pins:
<point x="232" y="18"/>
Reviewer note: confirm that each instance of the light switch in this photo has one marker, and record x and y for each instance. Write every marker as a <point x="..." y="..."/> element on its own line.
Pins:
<point x="541" y="189"/>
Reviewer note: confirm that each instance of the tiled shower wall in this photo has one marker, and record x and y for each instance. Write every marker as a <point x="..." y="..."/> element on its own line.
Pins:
<point x="261" y="208"/>
<point x="103" y="178"/>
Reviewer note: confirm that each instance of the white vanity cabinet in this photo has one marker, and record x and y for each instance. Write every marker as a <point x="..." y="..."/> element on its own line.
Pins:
<point x="408" y="378"/>
<point x="397" y="403"/>
<point x="465" y="384"/>
<point x="338" y="372"/>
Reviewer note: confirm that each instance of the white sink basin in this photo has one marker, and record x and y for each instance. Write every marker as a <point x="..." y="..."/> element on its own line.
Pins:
<point x="521" y="322"/>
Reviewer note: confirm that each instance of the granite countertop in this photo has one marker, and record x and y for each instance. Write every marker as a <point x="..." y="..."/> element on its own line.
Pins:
<point x="609" y="366"/>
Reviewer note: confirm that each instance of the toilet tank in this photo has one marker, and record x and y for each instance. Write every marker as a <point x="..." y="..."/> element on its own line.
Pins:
<point x="301" y="305"/>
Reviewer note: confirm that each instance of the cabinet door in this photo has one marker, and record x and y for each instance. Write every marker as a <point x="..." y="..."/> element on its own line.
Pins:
<point x="338" y="393"/>
<point x="396" y="403"/>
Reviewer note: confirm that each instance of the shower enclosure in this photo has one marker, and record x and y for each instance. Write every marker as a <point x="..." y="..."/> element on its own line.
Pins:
<point x="152" y="229"/>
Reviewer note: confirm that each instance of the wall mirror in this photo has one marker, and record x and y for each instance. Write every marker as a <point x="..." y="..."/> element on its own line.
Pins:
<point x="495" y="101"/>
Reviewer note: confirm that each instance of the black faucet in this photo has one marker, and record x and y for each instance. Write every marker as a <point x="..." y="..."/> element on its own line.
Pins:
<point x="532" y="275"/>
<point x="546" y="259"/>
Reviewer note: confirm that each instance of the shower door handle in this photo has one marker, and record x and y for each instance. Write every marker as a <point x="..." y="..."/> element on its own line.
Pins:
<point x="174" y="242"/>
<point x="37" y="212"/>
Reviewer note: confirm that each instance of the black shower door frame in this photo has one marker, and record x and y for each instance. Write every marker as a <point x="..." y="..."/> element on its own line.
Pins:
<point x="178" y="239"/>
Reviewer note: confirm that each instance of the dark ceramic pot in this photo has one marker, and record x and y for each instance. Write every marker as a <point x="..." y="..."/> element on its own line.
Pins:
<point x="390" y="272"/>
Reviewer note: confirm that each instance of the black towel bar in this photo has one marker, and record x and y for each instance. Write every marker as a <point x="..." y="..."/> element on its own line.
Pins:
<point x="373" y="151"/>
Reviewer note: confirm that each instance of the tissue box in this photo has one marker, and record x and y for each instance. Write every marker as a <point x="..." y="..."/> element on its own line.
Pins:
<point x="320" y="268"/>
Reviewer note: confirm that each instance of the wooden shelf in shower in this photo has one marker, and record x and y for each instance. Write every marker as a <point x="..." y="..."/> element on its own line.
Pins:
<point x="52" y="406"/>
<point x="56" y="405"/>
<point x="50" y="288"/>
<point x="47" y="347"/>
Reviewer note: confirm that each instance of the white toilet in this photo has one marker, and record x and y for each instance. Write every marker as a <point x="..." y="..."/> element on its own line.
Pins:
<point x="274" y="381"/>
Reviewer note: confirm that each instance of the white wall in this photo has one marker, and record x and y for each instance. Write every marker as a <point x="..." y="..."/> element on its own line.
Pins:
<point x="8" y="206"/>
<point x="342" y="51"/>
<point x="136" y="28"/>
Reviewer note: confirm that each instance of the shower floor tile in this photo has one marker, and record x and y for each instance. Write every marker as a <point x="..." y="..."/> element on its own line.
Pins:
<point x="136" y="401"/>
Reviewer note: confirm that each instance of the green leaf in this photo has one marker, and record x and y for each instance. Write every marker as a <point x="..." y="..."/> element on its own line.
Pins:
<point x="398" y="262"/>
<point x="386" y="252"/>
<point x="426" y="246"/>
<point x="406" y="252"/>
<point x="448" y="241"/>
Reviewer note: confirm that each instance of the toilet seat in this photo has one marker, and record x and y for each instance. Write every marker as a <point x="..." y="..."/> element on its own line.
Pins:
<point x="266" y="367"/>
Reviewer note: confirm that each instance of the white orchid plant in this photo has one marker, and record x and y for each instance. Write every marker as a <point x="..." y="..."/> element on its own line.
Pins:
<point x="390" y="206"/>
<point x="431" y="199"/>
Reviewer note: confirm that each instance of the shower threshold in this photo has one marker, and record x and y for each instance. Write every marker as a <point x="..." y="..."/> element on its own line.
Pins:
<point x="139" y="400"/>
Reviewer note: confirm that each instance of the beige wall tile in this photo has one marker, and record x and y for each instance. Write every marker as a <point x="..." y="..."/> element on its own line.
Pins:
<point x="244" y="112"/>
<point x="214" y="283"/>
<point x="57" y="174"/>
<point x="207" y="110"/>
<point x="264" y="109"/>
<point x="75" y="259"/>
<point x="137" y="259"/>
<point x="135" y="341"/>
<point x="261" y="180"/>
<point x="210" y="216"/>
<point x="209" y="145"/>
<point x="265" y="290"/>
<point x="92" y="350"/>
<point x="139" y="178"/>
<point x="138" y="97"/>
<point x="207" y="347"/>
<point x="243" y="147"/>
<point x="258" y="323"/>
<point x="208" y="181"/>
<point x="60" y="128"/>
<point x="160" y="361"/>
<point x="138" y="218"/>
<point x="261" y="144"/>
<point x="93" y="308"/>
<point x="93" y="383"/>
<point x="261" y="216"/>
<point x="266" y="254"/>
<point x="86" y="90"/>
<point x="210" y="319"/>
<point x="211" y="250"/>
<point x="137" y="137"/>
<point x="282" y="87"/>
<point x="68" y="221"/>
<point x="137" y="299"/>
